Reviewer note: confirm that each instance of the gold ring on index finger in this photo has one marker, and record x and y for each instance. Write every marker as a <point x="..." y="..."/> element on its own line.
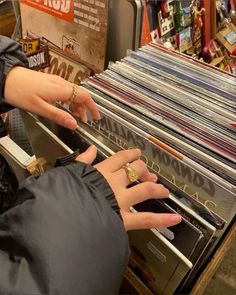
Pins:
<point x="73" y="93"/>
<point x="130" y="172"/>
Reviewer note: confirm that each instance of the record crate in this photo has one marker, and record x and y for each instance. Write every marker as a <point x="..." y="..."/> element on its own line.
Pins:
<point x="67" y="41"/>
<point x="221" y="264"/>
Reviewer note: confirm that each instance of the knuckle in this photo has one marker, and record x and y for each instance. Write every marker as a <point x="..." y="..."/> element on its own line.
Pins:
<point x="124" y="155"/>
<point x="150" y="221"/>
<point x="142" y="166"/>
<point x="58" y="117"/>
<point x="55" y="78"/>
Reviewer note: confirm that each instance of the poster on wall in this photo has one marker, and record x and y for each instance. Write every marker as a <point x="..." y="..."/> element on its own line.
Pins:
<point x="77" y="27"/>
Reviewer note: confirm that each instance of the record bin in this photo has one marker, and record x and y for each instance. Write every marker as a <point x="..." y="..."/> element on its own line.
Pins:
<point x="43" y="132"/>
<point x="113" y="82"/>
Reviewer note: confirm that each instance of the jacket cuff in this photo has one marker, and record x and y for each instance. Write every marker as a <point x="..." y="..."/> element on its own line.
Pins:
<point x="13" y="56"/>
<point x="92" y="176"/>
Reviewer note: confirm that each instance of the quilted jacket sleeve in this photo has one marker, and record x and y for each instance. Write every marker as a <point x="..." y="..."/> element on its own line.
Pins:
<point x="63" y="236"/>
<point x="11" y="55"/>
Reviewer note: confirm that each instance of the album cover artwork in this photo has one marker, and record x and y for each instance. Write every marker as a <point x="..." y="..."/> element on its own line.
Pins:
<point x="125" y="133"/>
<point x="128" y="101"/>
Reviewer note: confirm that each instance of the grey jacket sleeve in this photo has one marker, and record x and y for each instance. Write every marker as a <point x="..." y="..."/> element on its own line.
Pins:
<point x="64" y="236"/>
<point x="11" y="55"/>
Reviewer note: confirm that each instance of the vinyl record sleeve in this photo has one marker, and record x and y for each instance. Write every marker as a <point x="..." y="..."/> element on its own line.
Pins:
<point x="169" y="136"/>
<point x="206" y="93"/>
<point x="199" y="101"/>
<point x="188" y="72"/>
<point x="182" y="123"/>
<point x="118" y="132"/>
<point x="184" y="120"/>
<point x="197" y="64"/>
<point x="131" y="102"/>
<point x="178" y="125"/>
<point x="142" y="55"/>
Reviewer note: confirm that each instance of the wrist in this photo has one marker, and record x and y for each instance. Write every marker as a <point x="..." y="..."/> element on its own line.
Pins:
<point x="11" y="84"/>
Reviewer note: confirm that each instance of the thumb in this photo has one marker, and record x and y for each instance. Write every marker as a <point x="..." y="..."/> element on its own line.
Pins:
<point x="55" y="114"/>
<point x="88" y="156"/>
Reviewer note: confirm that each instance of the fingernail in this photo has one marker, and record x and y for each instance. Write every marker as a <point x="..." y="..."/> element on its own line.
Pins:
<point x="175" y="218"/>
<point x="139" y="152"/>
<point x="84" y="118"/>
<point x="70" y="123"/>
<point x="153" y="177"/>
<point x="92" y="148"/>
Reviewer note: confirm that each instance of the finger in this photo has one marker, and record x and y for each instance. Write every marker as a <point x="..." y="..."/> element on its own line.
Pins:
<point x="147" y="220"/>
<point x="83" y="97"/>
<point x="60" y="117"/>
<point x="142" y="192"/>
<point x="63" y="90"/>
<point x="88" y="156"/>
<point x="80" y="111"/>
<point x="140" y="168"/>
<point x="118" y="160"/>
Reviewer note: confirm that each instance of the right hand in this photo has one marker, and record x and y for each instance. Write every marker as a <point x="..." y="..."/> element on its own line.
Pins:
<point x="111" y="169"/>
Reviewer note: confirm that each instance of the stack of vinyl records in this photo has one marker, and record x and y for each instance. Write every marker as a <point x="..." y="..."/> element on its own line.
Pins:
<point x="181" y="114"/>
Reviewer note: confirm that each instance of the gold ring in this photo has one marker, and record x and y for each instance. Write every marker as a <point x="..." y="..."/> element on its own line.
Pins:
<point x="73" y="94"/>
<point x="130" y="172"/>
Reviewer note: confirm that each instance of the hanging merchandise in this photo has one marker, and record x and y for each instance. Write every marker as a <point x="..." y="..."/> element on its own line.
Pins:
<point x="184" y="39"/>
<point x="165" y="12"/>
<point x="166" y="24"/>
<point x="178" y="16"/>
<point x="197" y="13"/>
<point x="223" y="17"/>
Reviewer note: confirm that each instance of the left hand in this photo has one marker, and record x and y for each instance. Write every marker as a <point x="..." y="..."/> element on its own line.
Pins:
<point x="36" y="91"/>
